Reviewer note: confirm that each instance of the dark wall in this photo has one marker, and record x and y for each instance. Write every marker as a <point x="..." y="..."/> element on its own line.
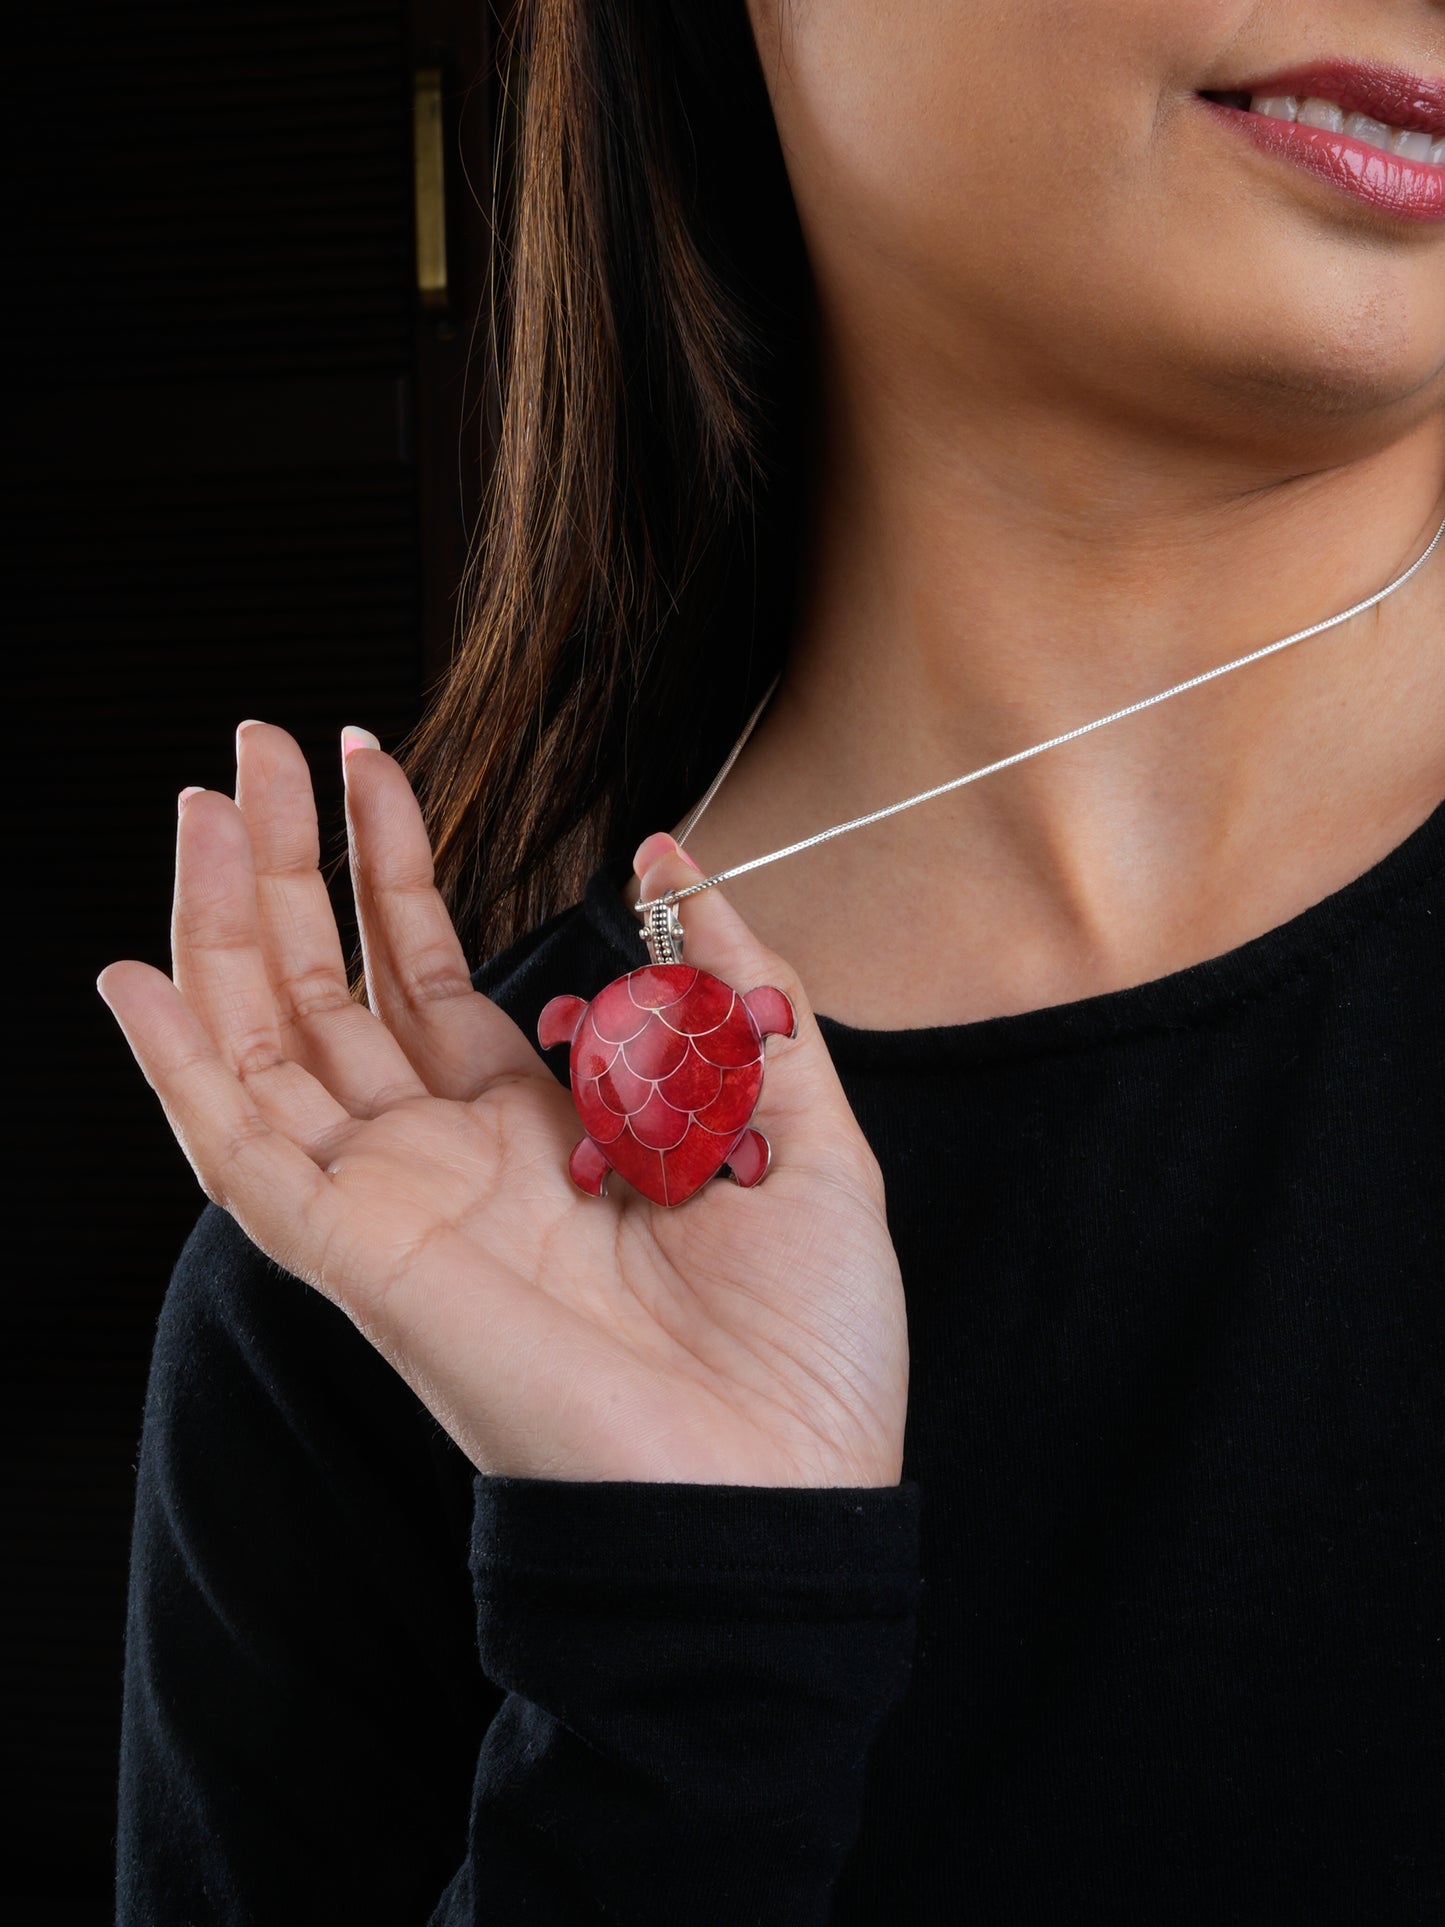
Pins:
<point x="243" y="463"/>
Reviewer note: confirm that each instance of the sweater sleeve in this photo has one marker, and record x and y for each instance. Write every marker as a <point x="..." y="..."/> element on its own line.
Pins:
<point x="364" y="1682"/>
<point x="694" y="1676"/>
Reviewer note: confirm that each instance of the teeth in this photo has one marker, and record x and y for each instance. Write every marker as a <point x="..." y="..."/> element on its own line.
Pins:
<point x="1414" y="145"/>
<point x="1361" y="128"/>
<point x="1321" y="113"/>
<point x="1409" y="142"/>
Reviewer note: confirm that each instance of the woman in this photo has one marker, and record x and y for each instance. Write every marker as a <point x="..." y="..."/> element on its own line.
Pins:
<point x="1017" y="1507"/>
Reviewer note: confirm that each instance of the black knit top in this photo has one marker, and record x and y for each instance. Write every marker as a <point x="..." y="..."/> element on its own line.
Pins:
<point x="1150" y="1633"/>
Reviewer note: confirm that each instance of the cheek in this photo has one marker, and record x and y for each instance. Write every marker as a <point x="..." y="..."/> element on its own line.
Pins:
<point x="1035" y="176"/>
<point x="964" y="141"/>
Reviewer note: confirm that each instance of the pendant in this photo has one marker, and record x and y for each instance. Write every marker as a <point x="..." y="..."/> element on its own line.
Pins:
<point x="666" y="1068"/>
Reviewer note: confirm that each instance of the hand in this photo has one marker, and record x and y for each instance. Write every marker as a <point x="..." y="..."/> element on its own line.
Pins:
<point x="410" y="1162"/>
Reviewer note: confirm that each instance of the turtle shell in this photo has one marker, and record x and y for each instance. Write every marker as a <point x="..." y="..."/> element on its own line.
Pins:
<point x="666" y="1070"/>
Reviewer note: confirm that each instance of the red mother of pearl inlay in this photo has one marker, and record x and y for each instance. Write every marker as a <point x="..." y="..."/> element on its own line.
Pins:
<point x="666" y="1069"/>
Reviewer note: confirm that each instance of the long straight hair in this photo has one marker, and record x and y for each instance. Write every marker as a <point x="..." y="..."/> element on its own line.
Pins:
<point x="628" y="596"/>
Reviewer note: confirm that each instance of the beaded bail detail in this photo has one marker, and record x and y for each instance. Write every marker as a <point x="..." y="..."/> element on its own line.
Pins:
<point x="662" y="932"/>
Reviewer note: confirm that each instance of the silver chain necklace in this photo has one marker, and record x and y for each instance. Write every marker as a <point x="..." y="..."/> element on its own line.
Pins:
<point x="662" y="927"/>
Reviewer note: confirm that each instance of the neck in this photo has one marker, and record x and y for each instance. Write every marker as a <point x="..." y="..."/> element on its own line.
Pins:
<point x="979" y="580"/>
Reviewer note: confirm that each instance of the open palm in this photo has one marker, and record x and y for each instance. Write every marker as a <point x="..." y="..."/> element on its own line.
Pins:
<point x="410" y="1162"/>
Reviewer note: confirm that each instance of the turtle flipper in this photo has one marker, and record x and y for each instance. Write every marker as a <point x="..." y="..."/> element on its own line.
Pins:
<point x="750" y="1157"/>
<point x="772" y="1012"/>
<point x="559" y="1020"/>
<point x="589" y="1167"/>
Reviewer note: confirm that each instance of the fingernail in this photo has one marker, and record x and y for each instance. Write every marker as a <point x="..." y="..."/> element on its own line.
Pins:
<point x="354" y="738"/>
<point x="185" y="797"/>
<point x="250" y="723"/>
<point x="695" y="868"/>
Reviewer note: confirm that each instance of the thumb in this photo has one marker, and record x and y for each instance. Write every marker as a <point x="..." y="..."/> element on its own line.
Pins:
<point x="802" y="1097"/>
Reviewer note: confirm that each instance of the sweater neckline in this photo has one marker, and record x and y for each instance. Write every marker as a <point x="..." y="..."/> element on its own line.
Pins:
<point x="1193" y="994"/>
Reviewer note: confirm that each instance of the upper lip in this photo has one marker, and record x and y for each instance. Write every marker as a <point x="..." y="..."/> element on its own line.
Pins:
<point x="1384" y="93"/>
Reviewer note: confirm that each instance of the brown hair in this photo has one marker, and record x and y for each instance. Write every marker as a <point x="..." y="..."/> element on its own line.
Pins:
<point x="627" y="599"/>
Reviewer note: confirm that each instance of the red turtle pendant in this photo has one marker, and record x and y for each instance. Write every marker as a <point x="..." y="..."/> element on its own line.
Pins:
<point x="666" y="1069"/>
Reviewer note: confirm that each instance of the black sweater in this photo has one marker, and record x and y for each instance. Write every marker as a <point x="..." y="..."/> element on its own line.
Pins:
<point x="1151" y="1631"/>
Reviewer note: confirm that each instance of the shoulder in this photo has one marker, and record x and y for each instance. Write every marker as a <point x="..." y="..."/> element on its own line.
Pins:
<point x="251" y="1368"/>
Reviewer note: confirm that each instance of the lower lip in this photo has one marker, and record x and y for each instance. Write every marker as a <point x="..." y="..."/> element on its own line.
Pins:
<point x="1409" y="190"/>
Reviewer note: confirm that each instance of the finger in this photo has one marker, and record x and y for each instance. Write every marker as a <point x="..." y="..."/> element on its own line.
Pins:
<point x="216" y="964"/>
<point x="298" y="933"/>
<point x="321" y="1026"/>
<point x="244" y="1163"/>
<point x="802" y="1096"/>
<point x="221" y="974"/>
<point x="220" y="970"/>
<point x="416" y="971"/>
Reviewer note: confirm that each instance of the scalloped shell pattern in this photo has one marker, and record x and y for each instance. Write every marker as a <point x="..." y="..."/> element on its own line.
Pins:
<point x="666" y="1071"/>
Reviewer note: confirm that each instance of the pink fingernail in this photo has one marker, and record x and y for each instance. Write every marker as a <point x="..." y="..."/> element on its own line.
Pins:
<point x="354" y="738"/>
<point x="185" y="797"/>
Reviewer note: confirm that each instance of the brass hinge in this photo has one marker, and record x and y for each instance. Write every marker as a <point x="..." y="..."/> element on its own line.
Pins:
<point x="429" y="155"/>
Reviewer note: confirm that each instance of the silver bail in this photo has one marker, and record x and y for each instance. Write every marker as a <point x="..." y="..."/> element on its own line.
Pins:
<point x="662" y="932"/>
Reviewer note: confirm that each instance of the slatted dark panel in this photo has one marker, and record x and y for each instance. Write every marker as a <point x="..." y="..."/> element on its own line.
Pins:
<point x="289" y="595"/>
<point x="223" y="190"/>
<point x="213" y="515"/>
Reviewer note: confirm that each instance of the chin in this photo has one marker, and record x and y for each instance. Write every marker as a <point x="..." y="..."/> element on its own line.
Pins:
<point x="1373" y="380"/>
<point x="1369" y="362"/>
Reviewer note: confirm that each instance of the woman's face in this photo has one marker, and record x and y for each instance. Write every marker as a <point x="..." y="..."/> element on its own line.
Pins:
<point x="1030" y="196"/>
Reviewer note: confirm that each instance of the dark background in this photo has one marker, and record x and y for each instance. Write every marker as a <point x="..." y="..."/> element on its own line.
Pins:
<point x="246" y="457"/>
